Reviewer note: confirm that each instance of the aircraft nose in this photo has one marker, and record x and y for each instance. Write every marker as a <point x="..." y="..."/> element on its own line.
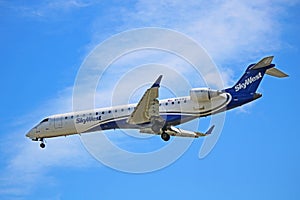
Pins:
<point x="29" y="134"/>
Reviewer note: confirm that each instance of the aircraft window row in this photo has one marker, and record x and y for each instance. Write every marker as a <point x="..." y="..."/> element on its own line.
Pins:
<point x="103" y="112"/>
<point x="173" y="102"/>
<point x="71" y="117"/>
<point x="122" y="110"/>
<point x="97" y="113"/>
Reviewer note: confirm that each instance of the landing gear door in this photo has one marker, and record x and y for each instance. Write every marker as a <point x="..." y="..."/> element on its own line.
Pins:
<point x="58" y="122"/>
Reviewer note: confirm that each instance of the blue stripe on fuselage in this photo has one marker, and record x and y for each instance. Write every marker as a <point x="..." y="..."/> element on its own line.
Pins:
<point x="171" y="119"/>
<point x="239" y="100"/>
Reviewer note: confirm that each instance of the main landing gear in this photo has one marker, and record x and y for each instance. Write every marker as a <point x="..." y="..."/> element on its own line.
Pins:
<point x="42" y="145"/>
<point x="165" y="136"/>
<point x="158" y="126"/>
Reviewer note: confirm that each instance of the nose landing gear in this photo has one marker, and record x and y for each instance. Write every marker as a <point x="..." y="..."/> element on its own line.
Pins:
<point x="42" y="145"/>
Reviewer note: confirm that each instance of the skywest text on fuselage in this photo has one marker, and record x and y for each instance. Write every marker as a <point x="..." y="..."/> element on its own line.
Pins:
<point x="87" y="119"/>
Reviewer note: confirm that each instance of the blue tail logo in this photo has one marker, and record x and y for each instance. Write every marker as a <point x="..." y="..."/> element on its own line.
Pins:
<point x="244" y="91"/>
<point x="253" y="75"/>
<point x="247" y="81"/>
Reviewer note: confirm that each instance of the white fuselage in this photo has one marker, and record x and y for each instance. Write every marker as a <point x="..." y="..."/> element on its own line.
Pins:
<point x="174" y="110"/>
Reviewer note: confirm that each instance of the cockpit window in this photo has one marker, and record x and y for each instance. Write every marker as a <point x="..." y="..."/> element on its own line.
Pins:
<point x="44" y="120"/>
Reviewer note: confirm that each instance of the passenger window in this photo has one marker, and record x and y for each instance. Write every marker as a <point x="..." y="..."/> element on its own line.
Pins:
<point x="109" y="111"/>
<point x="96" y="113"/>
<point x="66" y="117"/>
<point x="173" y="102"/>
<point x="103" y="112"/>
<point x="166" y="104"/>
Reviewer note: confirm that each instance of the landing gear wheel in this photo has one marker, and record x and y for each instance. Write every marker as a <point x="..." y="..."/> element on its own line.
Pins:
<point x="165" y="136"/>
<point x="42" y="145"/>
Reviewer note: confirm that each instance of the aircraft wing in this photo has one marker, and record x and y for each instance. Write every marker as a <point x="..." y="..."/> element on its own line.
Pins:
<point x="148" y="106"/>
<point x="173" y="131"/>
<point x="184" y="133"/>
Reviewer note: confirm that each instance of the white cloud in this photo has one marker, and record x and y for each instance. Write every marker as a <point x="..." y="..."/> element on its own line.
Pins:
<point x="45" y="9"/>
<point x="231" y="31"/>
<point x="26" y="165"/>
<point x="234" y="33"/>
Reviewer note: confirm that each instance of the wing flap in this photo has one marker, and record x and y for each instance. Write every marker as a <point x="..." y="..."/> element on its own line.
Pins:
<point x="173" y="131"/>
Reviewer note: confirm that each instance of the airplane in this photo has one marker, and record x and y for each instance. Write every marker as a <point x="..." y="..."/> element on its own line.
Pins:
<point x="159" y="117"/>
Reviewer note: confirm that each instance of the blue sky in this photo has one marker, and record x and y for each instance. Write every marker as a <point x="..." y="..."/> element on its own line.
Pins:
<point x="42" y="47"/>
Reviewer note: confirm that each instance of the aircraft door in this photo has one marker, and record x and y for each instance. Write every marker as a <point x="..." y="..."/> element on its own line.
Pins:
<point x="58" y="122"/>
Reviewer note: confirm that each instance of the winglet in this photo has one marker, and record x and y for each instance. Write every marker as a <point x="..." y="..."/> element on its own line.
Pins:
<point x="210" y="130"/>
<point x="157" y="82"/>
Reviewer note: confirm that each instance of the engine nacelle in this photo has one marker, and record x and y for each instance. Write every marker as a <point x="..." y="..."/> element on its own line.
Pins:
<point x="203" y="94"/>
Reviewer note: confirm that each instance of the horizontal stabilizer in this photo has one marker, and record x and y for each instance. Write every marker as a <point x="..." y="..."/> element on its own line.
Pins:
<point x="263" y="62"/>
<point x="276" y="72"/>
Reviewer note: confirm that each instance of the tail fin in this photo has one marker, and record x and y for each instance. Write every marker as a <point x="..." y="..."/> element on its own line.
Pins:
<point x="251" y="79"/>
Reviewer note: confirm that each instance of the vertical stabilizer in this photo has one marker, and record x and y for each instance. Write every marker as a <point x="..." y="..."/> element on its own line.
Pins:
<point x="252" y="77"/>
